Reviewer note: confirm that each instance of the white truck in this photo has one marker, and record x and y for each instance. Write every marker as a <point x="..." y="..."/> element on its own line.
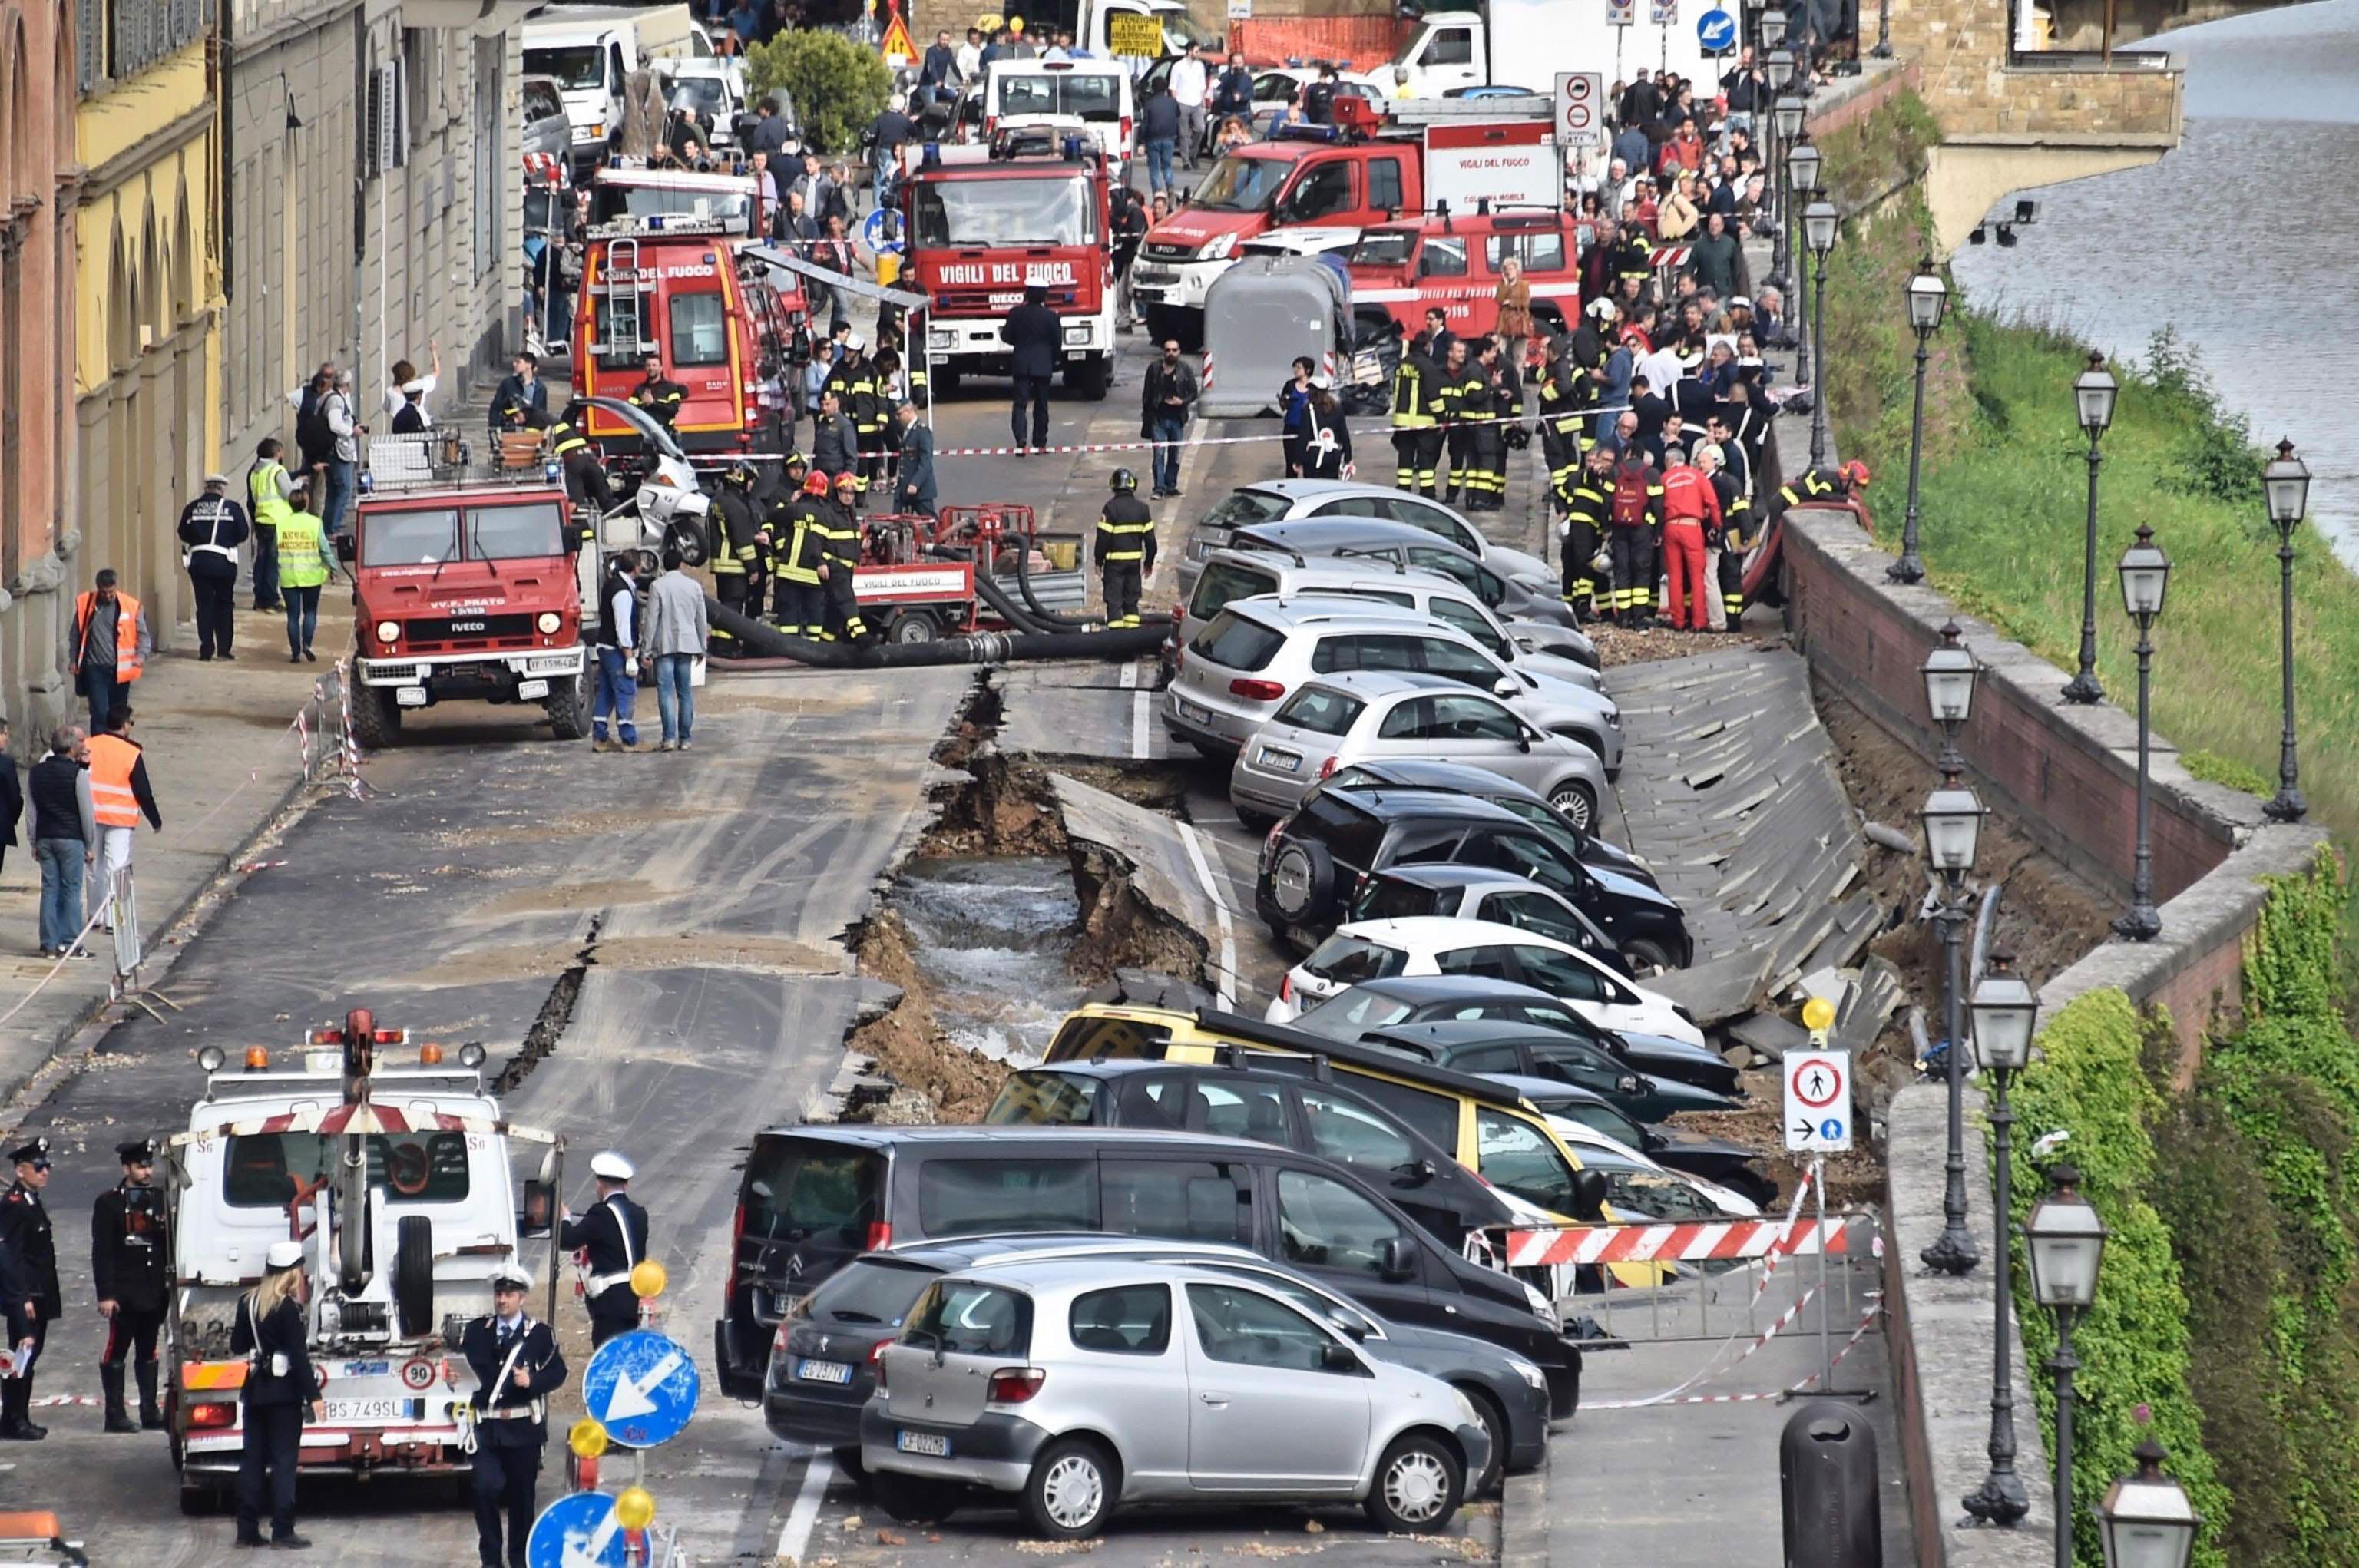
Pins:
<point x="397" y="1182"/>
<point x="592" y="51"/>
<point x="1525" y="43"/>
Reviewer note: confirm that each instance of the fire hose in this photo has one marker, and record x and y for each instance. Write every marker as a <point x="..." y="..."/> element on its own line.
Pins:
<point x="982" y="648"/>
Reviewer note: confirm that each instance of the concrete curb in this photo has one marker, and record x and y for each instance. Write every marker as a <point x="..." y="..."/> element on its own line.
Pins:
<point x="1523" y="1517"/>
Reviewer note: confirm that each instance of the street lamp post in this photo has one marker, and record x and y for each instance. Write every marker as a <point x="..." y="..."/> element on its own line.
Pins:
<point x="1819" y="224"/>
<point x="2005" y="1011"/>
<point x="1929" y="302"/>
<point x="2145" y="575"/>
<point x="2285" y="481"/>
<point x="1785" y="117"/>
<point x="1953" y="820"/>
<point x="2146" y="1519"/>
<point x="1801" y="187"/>
<point x="2093" y="392"/>
<point x="2066" y="1242"/>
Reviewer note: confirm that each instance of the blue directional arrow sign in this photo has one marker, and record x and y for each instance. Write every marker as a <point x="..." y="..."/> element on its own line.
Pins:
<point x="1716" y="31"/>
<point x="642" y="1387"/>
<point x="882" y="230"/>
<point x="578" y="1530"/>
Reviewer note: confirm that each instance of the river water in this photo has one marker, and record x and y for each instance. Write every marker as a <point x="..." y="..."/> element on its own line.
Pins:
<point x="991" y="936"/>
<point x="2242" y="240"/>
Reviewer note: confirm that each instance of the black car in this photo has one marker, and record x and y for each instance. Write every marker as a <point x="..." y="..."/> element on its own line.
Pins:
<point x="1483" y="1046"/>
<point x="1312" y="865"/>
<point x="822" y="1366"/>
<point x="1232" y="1099"/>
<point x="814" y="1197"/>
<point x="1431" y="999"/>
<point x="1463" y="779"/>
<point x="1732" y="1165"/>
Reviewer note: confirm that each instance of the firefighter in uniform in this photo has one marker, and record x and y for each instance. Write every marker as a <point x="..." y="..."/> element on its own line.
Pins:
<point x="657" y="393"/>
<point x="1588" y="512"/>
<point x="1465" y="394"/>
<point x="1636" y="509"/>
<point x="855" y="380"/>
<point x="737" y="557"/>
<point x="1736" y="535"/>
<point x="839" y="558"/>
<point x="1416" y="383"/>
<point x="127" y="1270"/>
<point x="613" y="1239"/>
<point x="517" y="1365"/>
<point x="798" y="535"/>
<point x="585" y="476"/>
<point x="775" y="531"/>
<point x="1634" y="257"/>
<point x="1499" y="405"/>
<point x="28" y="1275"/>
<point x="1816" y="484"/>
<point x="1126" y="549"/>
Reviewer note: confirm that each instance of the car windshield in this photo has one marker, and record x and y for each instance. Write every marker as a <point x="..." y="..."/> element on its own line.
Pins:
<point x="272" y="1169"/>
<point x="962" y="1317"/>
<point x="1233" y="642"/>
<point x="871" y="1291"/>
<point x="409" y="538"/>
<point x="1321" y="709"/>
<point x="707" y="95"/>
<point x="1188" y="29"/>
<point x="576" y="67"/>
<point x="1244" y="509"/>
<point x="1042" y="1098"/>
<point x="1385" y="900"/>
<point x="1351" y="1014"/>
<point x="1239" y="183"/>
<point x="1225" y="580"/>
<point x="1051" y="210"/>
<point x="734" y="210"/>
<point x="1096" y="97"/>
<point x="1383" y="247"/>
<point x="1350" y="960"/>
<point x="531" y="530"/>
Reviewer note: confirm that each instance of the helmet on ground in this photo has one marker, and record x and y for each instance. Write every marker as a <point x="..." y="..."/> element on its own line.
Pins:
<point x="1856" y="471"/>
<point x="816" y="484"/>
<point x="1125" y="482"/>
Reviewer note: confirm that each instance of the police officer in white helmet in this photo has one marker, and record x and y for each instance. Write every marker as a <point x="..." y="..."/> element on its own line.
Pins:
<point x="613" y="1239"/>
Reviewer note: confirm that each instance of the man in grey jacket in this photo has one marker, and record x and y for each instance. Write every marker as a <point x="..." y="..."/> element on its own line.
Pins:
<point x="673" y="637"/>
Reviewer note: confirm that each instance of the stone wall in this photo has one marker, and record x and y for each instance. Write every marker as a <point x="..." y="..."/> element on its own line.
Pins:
<point x="1962" y="55"/>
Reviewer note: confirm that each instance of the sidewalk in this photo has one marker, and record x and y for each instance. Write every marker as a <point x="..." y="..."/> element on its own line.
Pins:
<point x="224" y="758"/>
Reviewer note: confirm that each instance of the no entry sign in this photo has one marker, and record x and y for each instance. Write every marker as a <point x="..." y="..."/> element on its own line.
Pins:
<point x="1580" y="110"/>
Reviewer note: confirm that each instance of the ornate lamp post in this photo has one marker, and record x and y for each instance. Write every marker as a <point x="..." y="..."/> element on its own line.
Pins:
<point x="2146" y="1518"/>
<point x="1785" y="117"/>
<point x="1954" y="821"/>
<point x="2145" y="575"/>
<point x="2285" y="481"/>
<point x="2093" y="391"/>
<point x="1820" y="224"/>
<point x="1929" y="302"/>
<point x="2066" y="1243"/>
<point x="2005" y="1011"/>
<point x="1802" y="186"/>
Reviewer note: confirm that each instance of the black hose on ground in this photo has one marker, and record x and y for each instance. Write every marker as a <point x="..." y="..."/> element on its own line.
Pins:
<point x="1024" y="586"/>
<point x="984" y="647"/>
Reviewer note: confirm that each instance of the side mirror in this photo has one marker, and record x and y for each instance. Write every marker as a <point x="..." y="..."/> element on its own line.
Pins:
<point x="1398" y="1261"/>
<point x="1349" y="1322"/>
<point x="537" y="1216"/>
<point x="1336" y="1358"/>
<point x="1588" y="1195"/>
<point x="1504" y="686"/>
<point x="1628" y="1083"/>
<point x="1418" y="1174"/>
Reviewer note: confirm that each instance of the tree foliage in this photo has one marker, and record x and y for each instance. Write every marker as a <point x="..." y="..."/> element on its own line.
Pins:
<point x="838" y="86"/>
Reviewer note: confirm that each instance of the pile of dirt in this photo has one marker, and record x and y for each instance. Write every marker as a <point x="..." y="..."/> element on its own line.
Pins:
<point x="1001" y="808"/>
<point x="906" y="1042"/>
<point x="1618" y="645"/>
<point x="1121" y="930"/>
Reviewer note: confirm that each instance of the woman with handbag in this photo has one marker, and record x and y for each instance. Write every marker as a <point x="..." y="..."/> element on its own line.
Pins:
<point x="270" y="1332"/>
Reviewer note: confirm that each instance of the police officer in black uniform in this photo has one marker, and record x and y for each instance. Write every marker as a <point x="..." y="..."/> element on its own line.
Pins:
<point x="659" y="394"/>
<point x="614" y="1237"/>
<point x="35" y="1299"/>
<point x="127" y="1270"/>
<point x="1126" y="549"/>
<point x="516" y="1366"/>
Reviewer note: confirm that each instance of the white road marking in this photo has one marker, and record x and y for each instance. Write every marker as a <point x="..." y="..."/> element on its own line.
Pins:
<point x="1227" y="982"/>
<point x="1139" y="705"/>
<point x="805" y="1516"/>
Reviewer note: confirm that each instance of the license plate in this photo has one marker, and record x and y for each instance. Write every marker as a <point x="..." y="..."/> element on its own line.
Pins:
<point x="1284" y="761"/>
<point x="1190" y="711"/>
<point x="530" y="691"/>
<point x="1154" y="274"/>
<point x="1151" y="296"/>
<point x="410" y="696"/>
<point x="811" y="1371"/>
<point x="923" y="1442"/>
<point x="370" y="1410"/>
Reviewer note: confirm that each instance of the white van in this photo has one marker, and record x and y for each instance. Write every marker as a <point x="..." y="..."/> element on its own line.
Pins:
<point x="592" y="51"/>
<point x="1094" y="95"/>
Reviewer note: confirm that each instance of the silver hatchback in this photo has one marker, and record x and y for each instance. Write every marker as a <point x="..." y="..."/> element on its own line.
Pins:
<point x="1083" y="1384"/>
<point x="1370" y="715"/>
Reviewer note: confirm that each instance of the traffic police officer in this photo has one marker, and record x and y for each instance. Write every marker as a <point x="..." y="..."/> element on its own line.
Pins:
<point x="1126" y="549"/>
<point x="127" y="1270"/>
<point x="613" y="1237"/>
<point x="798" y="533"/>
<point x="29" y="1249"/>
<point x="516" y="1366"/>
<point x="1588" y="513"/>
<point x="737" y="557"/>
<point x="839" y="558"/>
<point x="657" y="393"/>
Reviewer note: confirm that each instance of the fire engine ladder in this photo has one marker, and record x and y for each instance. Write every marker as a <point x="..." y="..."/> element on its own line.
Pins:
<point x="623" y="284"/>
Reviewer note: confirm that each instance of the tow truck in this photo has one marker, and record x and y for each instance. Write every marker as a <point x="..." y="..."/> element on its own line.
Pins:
<point x="397" y="1182"/>
<point x="1375" y="163"/>
<point x="663" y="273"/>
<point x="986" y="221"/>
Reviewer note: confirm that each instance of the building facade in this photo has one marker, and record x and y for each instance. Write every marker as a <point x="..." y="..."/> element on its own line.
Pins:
<point x="40" y="177"/>
<point x="147" y="231"/>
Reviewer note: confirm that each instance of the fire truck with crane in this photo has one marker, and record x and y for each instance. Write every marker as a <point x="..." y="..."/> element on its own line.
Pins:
<point x="664" y="273"/>
<point x="400" y="1184"/>
<point x="984" y="223"/>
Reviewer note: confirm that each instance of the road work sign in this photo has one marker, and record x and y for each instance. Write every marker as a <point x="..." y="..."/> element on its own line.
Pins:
<point x="1129" y="33"/>
<point x="641" y="1386"/>
<point x="1818" y="1102"/>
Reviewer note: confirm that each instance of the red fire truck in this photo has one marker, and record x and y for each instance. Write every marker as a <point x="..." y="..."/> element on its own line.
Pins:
<point x="1452" y="260"/>
<point x="984" y="222"/>
<point x="663" y="274"/>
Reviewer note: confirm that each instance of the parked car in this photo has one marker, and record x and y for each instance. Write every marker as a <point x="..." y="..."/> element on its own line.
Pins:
<point x="1483" y="1047"/>
<point x="1440" y="999"/>
<point x="1645" y="1190"/>
<point x="1341" y="719"/>
<point x="1312" y="865"/>
<point x="1232" y="1099"/>
<point x="1458" y="778"/>
<point x="1480" y="893"/>
<point x="1082" y="1385"/>
<point x="1232" y="575"/>
<point x="546" y="128"/>
<point x="1234" y="674"/>
<point x="823" y="1359"/>
<point x="813" y="1197"/>
<point x="1285" y="500"/>
<point x="1412" y="547"/>
<point x="1731" y="1166"/>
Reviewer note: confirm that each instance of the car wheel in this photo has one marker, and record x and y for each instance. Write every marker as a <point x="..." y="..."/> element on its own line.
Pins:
<point x="1070" y="1491"/>
<point x="847" y="1459"/>
<point x="1494" y="1422"/>
<point x="913" y="1500"/>
<point x="1643" y="957"/>
<point x="1578" y="803"/>
<point x="1301" y="881"/>
<point x="1251" y="819"/>
<point x="1418" y="1486"/>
